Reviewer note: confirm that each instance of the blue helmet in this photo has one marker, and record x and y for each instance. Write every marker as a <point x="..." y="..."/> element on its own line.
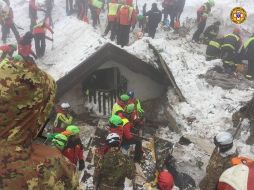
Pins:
<point x="130" y="94"/>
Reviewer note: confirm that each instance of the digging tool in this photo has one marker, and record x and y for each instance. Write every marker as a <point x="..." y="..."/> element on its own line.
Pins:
<point x="238" y="128"/>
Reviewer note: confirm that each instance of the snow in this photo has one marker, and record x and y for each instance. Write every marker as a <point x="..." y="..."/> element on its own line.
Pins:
<point x="212" y="107"/>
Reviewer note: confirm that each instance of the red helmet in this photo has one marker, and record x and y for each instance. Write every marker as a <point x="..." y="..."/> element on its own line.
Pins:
<point x="237" y="31"/>
<point x="129" y="2"/>
<point x="165" y="181"/>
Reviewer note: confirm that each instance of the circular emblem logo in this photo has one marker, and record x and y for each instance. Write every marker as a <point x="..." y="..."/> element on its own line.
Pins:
<point x="238" y="15"/>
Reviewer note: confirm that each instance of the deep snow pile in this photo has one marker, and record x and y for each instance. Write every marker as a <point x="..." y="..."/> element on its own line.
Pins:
<point x="210" y="107"/>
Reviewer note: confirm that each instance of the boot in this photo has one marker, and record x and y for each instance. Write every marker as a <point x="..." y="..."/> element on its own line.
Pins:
<point x="250" y="140"/>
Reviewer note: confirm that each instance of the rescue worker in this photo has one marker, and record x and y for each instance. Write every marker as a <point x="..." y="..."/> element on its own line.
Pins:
<point x="33" y="8"/>
<point x="247" y="54"/>
<point x="246" y="111"/>
<point x="168" y="9"/>
<point x="95" y="7"/>
<point x="25" y="47"/>
<point x="82" y="8"/>
<point x="73" y="149"/>
<point x="202" y="15"/>
<point x="213" y="50"/>
<point x="229" y="48"/>
<point x="154" y="18"/>
<point x="39" y="32"/>
<point x="179" y="6"/>
<point x="126" y="18"/>
<point x="26" y="102"/>
<point x="114" y="167"/>
<point x="69" y="7"/>
<point x="116" y="125"/>
<point x="6" y="20"/>
<point x="120" y="104"/>
<point x="129" y="137"/>
<point x="136" y="102"/>
<point x="165" y="180"/>
<point x="112" y="24"/>
<point x="63" y="118"/>
<point x="220" y="160"/>
<point x="211" y="32"/>
<point x="7" y="50"/>
<point x="48" y="12"/>
<point x="238" y="177"/>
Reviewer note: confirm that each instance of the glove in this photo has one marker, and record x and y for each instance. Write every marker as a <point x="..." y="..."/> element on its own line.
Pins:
<point x="81" y="165"/>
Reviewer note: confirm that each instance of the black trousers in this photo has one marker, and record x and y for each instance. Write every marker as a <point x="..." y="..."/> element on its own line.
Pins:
<point x="69" y="7"/>
<point x="123" y="35"/>
<point x="40" y="44"/>
<point x="94" y="15"/>
<point x="199" y="31"/>
<point x="170" y="11"/>
<point x="212" y="53"/>
<point x="6" y="30"/>
<point x="250" y="68"/>
<point x="112" y="26"/>
<point x="138" y="147"/>
<point x="151" y="32"/>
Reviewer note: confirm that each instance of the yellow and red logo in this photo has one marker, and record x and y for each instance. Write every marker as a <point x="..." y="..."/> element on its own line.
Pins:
<point x="238" y="15"/>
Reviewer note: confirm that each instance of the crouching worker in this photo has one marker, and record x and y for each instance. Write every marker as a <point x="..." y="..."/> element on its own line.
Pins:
<point x="26" y="102"/>
<point x="213" y="50"/>
<point x="220" y="160"/>
<point x="120" y="104"/>
<point x="114" y="167"/>
<point x="63" y="118"/>
<point x="73" y="149"/>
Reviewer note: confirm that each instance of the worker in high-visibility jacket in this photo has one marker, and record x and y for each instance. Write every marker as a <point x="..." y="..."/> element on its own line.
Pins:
<point x="126" y="18"/>
<point x="229" y="49"/>
<point x="113" y="7"/>
<point x="63" y="118"/>
<point x="247" y="54"/>
<point x="120" y="104"/>
<point x="213" y="49"/>
<point x="211" y="32"/>
<point x="95" y="8"/>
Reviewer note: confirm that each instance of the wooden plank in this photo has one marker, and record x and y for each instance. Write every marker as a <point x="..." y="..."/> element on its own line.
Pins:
<point x="165" y="68"/>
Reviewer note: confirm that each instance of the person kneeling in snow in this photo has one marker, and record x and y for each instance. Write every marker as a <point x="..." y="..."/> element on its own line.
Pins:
<point x="220" y="160"/>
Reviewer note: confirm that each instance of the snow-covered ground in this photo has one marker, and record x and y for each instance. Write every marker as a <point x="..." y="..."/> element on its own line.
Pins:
<point x="211" y="107"/>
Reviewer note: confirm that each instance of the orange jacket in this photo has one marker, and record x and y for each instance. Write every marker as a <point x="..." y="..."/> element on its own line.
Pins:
<point x="40" y="29"/>
<point x="126" y="15"/>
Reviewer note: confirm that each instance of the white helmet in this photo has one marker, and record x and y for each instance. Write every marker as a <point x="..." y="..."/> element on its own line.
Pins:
<point x="223" y="138"/>
<point x="113" y="138"/>
<point x="65" y="105"/>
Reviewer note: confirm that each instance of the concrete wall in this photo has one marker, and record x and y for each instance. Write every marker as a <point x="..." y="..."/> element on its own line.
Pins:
<point x="144" y="87"/>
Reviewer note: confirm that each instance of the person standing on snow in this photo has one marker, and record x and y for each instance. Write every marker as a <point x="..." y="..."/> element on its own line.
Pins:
<point x="69" y="7"/>
<point x="211" y="32"/>
<point x="220" y="160"/>
<point x="33" y="8"/>
<point x="26" y="102"/>
<point x="169" y="6"/>
<point x="247" y="53"/>
<point x="95" y="8"/>
<point x="126" y="18"/>
<point x="39" y="32"/>
<point x="7" y="50"/>
<point x="246" y="111"/>
<point x="202" y="15"/>
<point x="179" y="6"/>
<point x="63" y="118"/>
<point x="229" y="49"/>
<point x="112" y="17"/>
<point x="6" y="20"/>
<point x="25" y="47"/>
<point x="114" y="167"/>
<point x="154" y="18"/>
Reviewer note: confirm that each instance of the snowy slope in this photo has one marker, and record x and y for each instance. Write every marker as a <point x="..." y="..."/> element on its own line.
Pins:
<point x="74" y="41"/>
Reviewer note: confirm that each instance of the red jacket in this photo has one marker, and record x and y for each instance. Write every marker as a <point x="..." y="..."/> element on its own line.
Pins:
<point x="127" y="134"/>
<point x="118" y="130"/>
<point x="126" y="15"/>
<point x="165" y="181"/>
<point x="25" y="50"/>
<point x="6" y="48"/>
<point x="74" y="154"/>
<point x="41" y="29"/>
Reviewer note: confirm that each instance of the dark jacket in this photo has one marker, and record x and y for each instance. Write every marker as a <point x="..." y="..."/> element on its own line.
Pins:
<point x="211" y="31"/>
<point x="233" y="41"/>
<point x="154" y="17"/>
<point x="248" y="49"/>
